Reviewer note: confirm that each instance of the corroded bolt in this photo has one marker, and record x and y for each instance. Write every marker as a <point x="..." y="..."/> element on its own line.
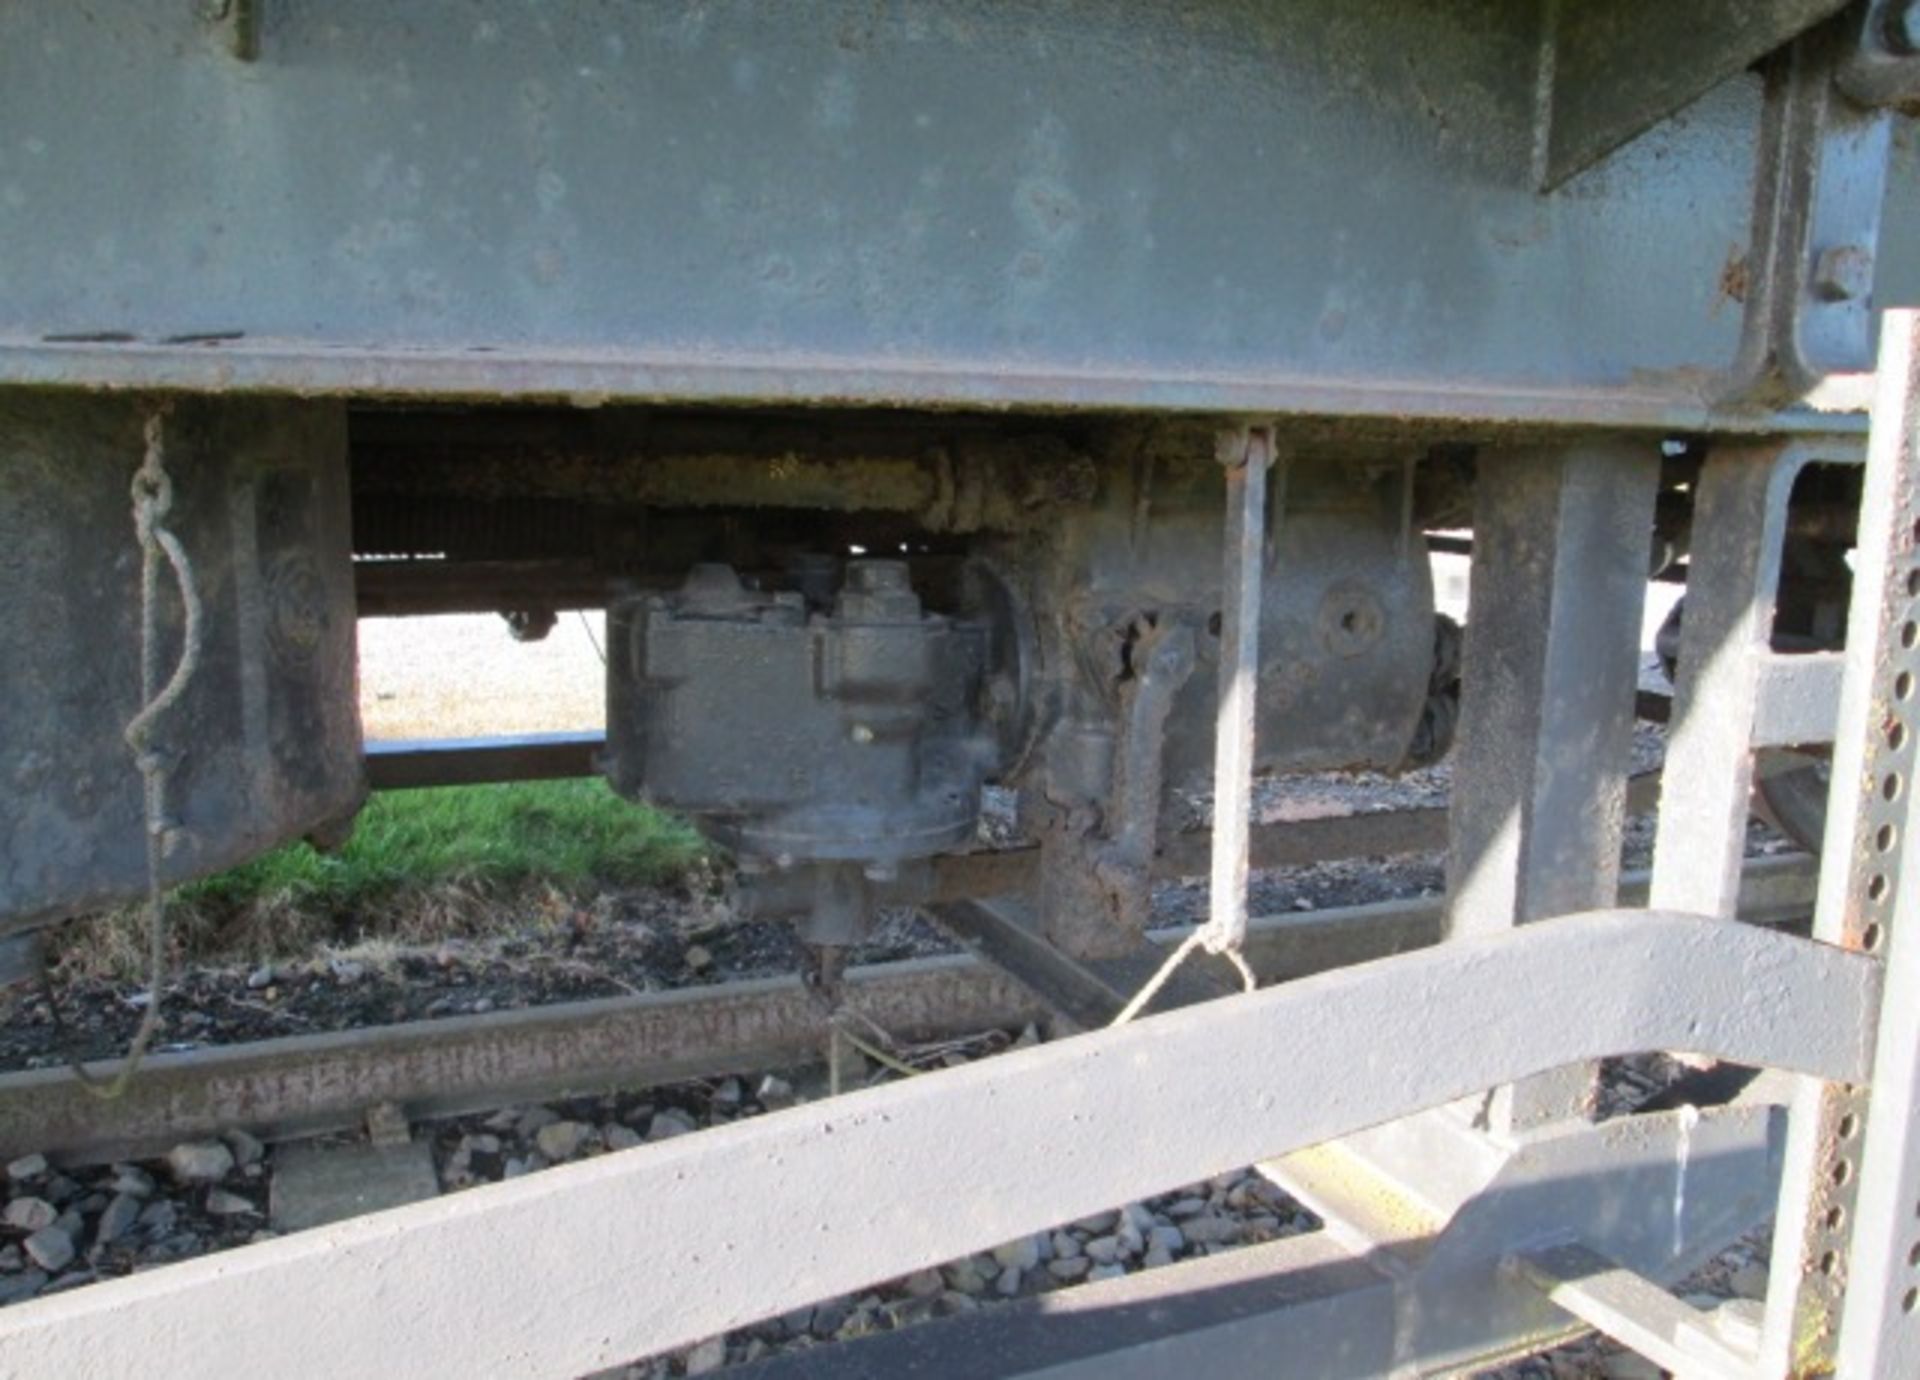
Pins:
<point x="1843" y="273"/>
<point x="1901" y="28"/>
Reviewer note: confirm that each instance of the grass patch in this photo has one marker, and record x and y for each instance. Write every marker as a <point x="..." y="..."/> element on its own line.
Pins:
<point x="421" y="865"/>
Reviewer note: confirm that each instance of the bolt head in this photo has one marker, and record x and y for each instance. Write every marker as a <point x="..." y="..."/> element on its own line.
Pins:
<point x="1843" y="273"/>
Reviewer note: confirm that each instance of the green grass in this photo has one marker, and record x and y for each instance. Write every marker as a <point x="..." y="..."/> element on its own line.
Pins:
<point x="420" y="866"/>
<point x="566" y="833"/>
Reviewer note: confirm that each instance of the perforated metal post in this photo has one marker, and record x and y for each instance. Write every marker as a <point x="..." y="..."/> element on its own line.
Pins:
<point x="1846" y="1262"/>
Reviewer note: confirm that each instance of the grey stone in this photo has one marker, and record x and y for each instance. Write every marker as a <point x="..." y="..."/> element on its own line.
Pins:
<point x="966" y="1277"/>
<point x="50" y="1248"/>
<point x="1749" y="1281"/>
<point x="1099" y="1224"/>
<point x="72" y="1223"/>
<point x="1103" y="1250"/>
<point x="316" y="1184"/>
<point x="131" y="1178"/>
<point x="27" y="1167"/>
<point x="670" y="1122"/>
<point x="620" y="1137"/>
<point x="29" y="1214"/>
<point x="775" y="1093"/>
<point x="1007" y="1282"/>
<point x="260" y="978"/>
<point x="246" y="1149"/>
<point x="924" y="1284"/>
<point x="1069" y="1270"/>
<point x="562" y="1140"/>
<point x="60" y="1190"/>
<point x="1023" y="1253"/>
<point x="1186" y="1207"/>
<point x="1210" y="1229"/>
<point x="727" y="1093"/>
<point x="830" y="1316"/>
<point x="11" y="1259"/>
<point x="14" y="1288"/>
<point x="347" y="972"/>
<point x="1626" y="1365"/>
<point x="707" y="1357"/>
<point x="1156" y="1256"/>
<point x="1066" y="1245"/>
<point x="117" y="1220"/>
<point x="157" y="1219"/>
<point x="1110" y="1270"/>
<point x="531" y="1120"/>
<point x="221" y="1203"/>
<point x="1169" y="1239"/>
<point x="200" y="1162"/>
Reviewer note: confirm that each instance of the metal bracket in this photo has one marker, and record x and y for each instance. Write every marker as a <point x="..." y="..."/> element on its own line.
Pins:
<point x="1884" y="68"/>
<point x="1808" y="276"/>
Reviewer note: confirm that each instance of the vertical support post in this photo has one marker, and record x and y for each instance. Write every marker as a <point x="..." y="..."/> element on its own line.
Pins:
<point x="1247" y="456"/>
<point x="1739" y="532"/>
<point x="1558" y="584"/>
<point x="1846" y="1265"/>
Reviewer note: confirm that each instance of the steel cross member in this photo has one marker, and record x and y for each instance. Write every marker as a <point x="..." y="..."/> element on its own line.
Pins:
<point x="1560" y="553"/>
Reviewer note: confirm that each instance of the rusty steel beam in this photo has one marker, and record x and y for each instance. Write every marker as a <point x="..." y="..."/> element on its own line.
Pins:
<point x="407" y="764"/>
<point x="314" y="1083"/>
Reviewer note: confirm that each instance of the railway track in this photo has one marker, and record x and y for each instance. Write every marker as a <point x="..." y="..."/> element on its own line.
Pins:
<point x="305" y="1085"/>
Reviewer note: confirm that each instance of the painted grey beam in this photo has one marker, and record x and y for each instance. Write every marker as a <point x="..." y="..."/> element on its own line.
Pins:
<point x="311" y="1083"/>
<point x="1799" y="696"/>
<point x="590" y="1264"/>
<point x="1330" y="1314"/>
<point x="1636" y="1312"/>
<point x="1549" y="664"/>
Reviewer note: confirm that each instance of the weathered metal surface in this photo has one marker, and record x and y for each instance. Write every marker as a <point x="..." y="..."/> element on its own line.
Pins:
<point x="265" y="743"/>
<point x="1884" y="68"/>
<point x="1613" y="71"/>
<point x="1443" y="1205"/>
<point x="1826" y="1240"/>
<point x="1740" y="530"/>
<point x="1880" y="711"/>
<point x="1547" y="703"/>
<point x="572" y="1269"/>
<point x="399" y="764"/>
<point x="1547" y="700"/>
<point x="990" y="204"/>
<point x="327" y="1082"/>
<point x="1638" y="1313"/>
<point x="1807" y="277"/>
<point x="1247" y="457"/>
<point x="1798" y="696"/>
<point x="1328" y="1313"/>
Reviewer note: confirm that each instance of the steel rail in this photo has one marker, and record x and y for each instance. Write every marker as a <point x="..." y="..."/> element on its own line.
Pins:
<point x="593" y="1263"/>
<point x="313" y="1083"/>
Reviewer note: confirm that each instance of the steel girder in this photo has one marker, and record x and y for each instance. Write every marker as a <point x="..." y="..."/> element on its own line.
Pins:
<point x="1299" y="207"/>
